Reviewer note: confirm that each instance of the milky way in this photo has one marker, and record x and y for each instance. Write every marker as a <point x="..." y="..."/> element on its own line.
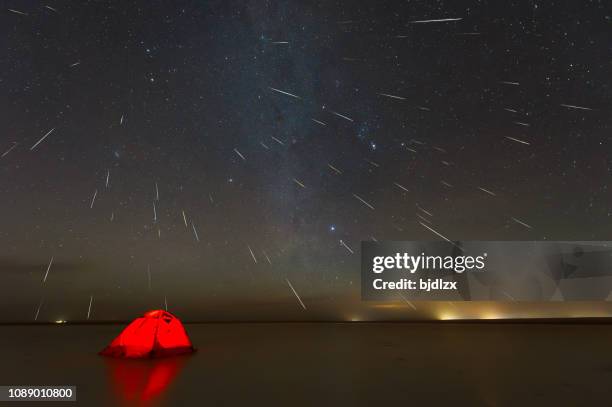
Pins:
<point x="228" y="157"/>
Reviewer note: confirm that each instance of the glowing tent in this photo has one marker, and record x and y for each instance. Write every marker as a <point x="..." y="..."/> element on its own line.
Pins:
<point x="157" y="333"/>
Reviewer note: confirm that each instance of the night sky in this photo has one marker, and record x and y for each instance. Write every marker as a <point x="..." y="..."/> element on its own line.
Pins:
<point x="217" y="155"/>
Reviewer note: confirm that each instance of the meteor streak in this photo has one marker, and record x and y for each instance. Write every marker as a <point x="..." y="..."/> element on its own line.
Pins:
<point x="342" y="116"/>
<point x="364" y="202"/>
<point x="41" y="140"/>
<point x="576" y="107"/>
<point x="48" y="268"/>
<point x="296" y="294"/>
<point x="239" y="154"/>
<point x="38" y="309"/>
<point x="517" y="140"/>
<point x="428" y="213"/>
<point x="400" y="186"/>
<point x="439" y="20"/>
<point x="520" y="222"/>
<point x="277" y="140"/>
<point x="10" y="149"/>
<point x="346" y="247"/>
<point x="392" y="96"/>
<point x="195" y="232"/>
<point x="252" y="254"/>
<point x="93" y="199"/>
<point x="433" y="231"/>
<point x="487" y="191"/>
<point x="89" y="309"/>
<point x="284" y="93"/>
<point x="17" y="12"/>
<point x="334" y="168"/>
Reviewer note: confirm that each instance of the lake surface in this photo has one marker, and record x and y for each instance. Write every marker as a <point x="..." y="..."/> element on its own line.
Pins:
<point x="367" y="364"/>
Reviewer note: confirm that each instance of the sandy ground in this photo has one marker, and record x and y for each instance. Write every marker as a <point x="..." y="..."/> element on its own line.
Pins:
<point x="326" y="364"/>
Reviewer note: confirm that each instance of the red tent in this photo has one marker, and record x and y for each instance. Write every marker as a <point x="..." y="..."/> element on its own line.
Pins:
<point x="157" y="333"/>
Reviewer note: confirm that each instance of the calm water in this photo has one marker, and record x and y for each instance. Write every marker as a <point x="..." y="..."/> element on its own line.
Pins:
<point x="326" y="364"/>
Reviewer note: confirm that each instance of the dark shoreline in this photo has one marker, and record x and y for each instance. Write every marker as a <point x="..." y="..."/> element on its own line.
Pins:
<point x="555" y="321"/>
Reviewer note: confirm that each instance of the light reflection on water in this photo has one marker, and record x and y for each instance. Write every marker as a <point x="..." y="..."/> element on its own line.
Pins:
<point x="143" y="382"/>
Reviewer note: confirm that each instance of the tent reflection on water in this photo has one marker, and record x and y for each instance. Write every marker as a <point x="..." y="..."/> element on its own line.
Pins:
<point x="143" y="381"/>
